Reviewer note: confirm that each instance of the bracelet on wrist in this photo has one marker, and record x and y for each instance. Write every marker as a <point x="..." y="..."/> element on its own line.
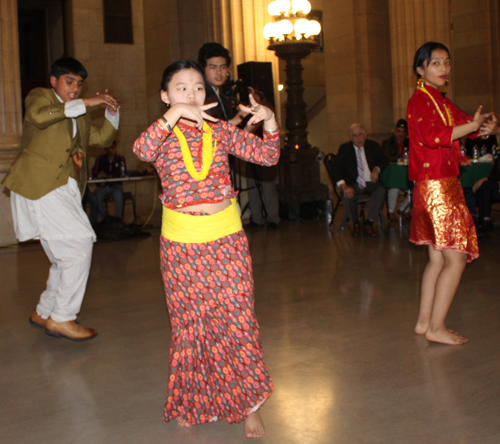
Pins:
<point x="272" y="131"/>
<point x="165" y="124"/>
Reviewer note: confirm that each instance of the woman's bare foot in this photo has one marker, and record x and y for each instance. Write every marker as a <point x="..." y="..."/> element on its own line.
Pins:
<point x="421" y="328"/>
<point x="254" y="427"/>
<point x="445" y="336"/>
<point x="183" y="422"/>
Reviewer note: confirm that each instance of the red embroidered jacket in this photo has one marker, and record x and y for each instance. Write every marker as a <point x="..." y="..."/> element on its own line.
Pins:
<point x="432" y="153"/>
<point x="179" y="188"/>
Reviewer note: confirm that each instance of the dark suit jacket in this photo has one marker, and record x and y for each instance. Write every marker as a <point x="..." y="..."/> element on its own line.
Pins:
<point x="46" y="143"/>
<point x="346" y="164"/>
<point x="390" y="148"/>
<point x="223" y="111"/>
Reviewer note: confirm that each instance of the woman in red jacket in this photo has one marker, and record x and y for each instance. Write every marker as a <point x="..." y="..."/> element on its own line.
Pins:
<point x="440" y="219"/>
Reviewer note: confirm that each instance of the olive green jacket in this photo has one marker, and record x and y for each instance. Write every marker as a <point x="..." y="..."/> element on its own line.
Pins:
<point x="45" y="159"/>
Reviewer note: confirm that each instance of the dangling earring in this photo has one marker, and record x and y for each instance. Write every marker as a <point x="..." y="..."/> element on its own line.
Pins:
<point x="421" y="82"/>
<point x="447" y="81"/>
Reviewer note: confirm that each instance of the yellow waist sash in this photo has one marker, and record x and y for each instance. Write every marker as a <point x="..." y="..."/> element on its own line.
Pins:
<point x="189" y="229"/>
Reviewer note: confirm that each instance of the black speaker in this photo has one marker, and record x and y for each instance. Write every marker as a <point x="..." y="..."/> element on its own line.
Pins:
<point x="258" y="75"/>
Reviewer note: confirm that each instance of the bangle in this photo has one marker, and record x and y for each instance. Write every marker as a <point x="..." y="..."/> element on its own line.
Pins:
<point x="167" y="125"/>
<point x="273" y="131"/>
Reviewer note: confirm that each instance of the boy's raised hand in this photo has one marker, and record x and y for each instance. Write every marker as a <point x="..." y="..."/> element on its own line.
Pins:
<point x="105" y="99"/>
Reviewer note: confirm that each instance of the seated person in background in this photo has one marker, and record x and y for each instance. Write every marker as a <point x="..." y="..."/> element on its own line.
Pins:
<point x="487" y="192"/>
<point x="357" y="168"/>
<point x="110" y="164"/>
<point x="394" y="148"/>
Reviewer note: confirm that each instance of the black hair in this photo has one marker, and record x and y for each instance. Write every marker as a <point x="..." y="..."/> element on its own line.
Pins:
<point x="424" y="53"/>
<point x="402" y="123"/>
<point x="67" y="65"/>
<point x="212" y="49"/>
<point x="177" y="66"/>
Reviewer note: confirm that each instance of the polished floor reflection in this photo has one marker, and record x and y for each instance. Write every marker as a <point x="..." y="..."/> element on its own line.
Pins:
<point x="336" y="317"/>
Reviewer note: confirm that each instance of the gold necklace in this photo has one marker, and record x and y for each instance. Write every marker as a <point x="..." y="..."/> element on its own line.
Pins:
<point x="207" y="152"/>
<point x="450" y="122"/>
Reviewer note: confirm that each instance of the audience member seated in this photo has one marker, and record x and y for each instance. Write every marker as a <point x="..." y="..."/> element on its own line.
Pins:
<point x="358" y="165"/>
<point x="394" y="149"/>
<point x="487" y="192"/>
<point x="110" y="164"/>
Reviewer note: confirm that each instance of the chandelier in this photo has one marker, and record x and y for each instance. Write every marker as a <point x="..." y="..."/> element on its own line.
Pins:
<point x="290" y="22"/>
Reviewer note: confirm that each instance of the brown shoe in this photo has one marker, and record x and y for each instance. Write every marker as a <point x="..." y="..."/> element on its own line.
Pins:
<point x="69" y="330"/>
<point x="369" y="231"/>
<point x="36" y="320"/>
<point x="356" y="230"/>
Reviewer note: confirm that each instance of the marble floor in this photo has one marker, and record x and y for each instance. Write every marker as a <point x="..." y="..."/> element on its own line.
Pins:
<point x="336" y="317"/>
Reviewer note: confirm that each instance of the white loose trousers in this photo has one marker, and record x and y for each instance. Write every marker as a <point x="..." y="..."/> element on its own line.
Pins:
<point x="67" y="237"/>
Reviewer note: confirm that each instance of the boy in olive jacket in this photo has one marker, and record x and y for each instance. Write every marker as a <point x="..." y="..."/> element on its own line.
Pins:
<point x="46" y="183"/>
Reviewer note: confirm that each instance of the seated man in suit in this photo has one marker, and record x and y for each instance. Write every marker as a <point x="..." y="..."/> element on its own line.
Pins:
<point x="394" y="149"/>
<point x="357" y="168"/>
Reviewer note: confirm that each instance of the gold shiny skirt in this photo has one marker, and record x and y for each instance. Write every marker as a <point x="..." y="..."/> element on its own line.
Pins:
<point x="441" y="218"/>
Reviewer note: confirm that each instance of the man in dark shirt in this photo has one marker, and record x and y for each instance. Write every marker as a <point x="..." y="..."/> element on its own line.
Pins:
<point x="215" y="61"/>
<point x="111" y="164"/>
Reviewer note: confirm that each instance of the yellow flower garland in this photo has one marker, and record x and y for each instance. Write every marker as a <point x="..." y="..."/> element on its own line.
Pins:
<point x="207" y="152"/>
<point x="450" y="122"/>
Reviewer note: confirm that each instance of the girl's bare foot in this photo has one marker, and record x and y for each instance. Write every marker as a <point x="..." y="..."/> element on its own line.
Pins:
<point x="183" y="422"/>
<point x="254" y="427"/>
<point x="445" y="336"/>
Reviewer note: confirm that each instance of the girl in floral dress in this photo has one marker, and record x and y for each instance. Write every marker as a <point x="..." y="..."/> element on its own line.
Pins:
<point x="440" y="216"/>
<point x="217" y="369"/>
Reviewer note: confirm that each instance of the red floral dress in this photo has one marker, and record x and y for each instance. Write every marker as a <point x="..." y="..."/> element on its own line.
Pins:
<point x="217" y="370"/>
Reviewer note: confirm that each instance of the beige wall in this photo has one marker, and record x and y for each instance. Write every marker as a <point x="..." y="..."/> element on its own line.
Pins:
<point x="120" y="68"/>
<point x="173" y="30"/>
<point x="474" y="57"/>
<point x="357" y="68"/>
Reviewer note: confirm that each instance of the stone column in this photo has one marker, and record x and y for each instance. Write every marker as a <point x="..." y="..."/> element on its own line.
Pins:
<point x="414" y="22"/>
<point x="357" y="68"/>
<point x="10" y="108"/>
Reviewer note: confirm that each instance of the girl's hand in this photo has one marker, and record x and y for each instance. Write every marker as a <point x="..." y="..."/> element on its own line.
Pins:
<point x="480" y="118"/>
<point x="260" y="112"/>
<point x="194" y="113"/>
<point x="489" y="127"/>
